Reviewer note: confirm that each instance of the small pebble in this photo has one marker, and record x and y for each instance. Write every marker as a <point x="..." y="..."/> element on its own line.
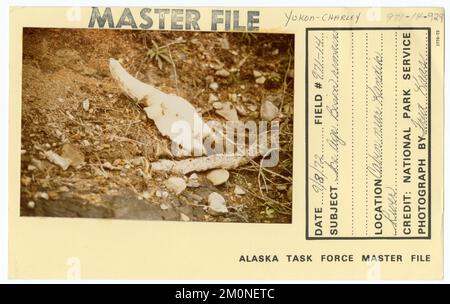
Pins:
<point x="241" y="110"/>
<point x="193" y="181"/>
<point x="214" y="86"/>
<point x="222" y="73"/>
<point x="217" y="203"/>
<point x="268" y="111"/>
<point x="146" y="194"/>
<point x="260" y="80"/>
<point x="43" y="195"/>
<point x="108" y="165"/>
<point x="175" y="184"/>
<point x="257" y="74"/>
<point x="218" y="176"/>
<point x="252" y="108"/>
<point x="63" y="189"/>
<point x="213" y="98"/>
<point x="86" y="105"/>
<point x="228" y="111"/>
<point x="224" y="44"/>
<point x="289" y="194"/>
<point x="184" y="217"/>
<point x="238" y="190"/>
<point x="26" y="181"/>
<point x="217" y="105"/>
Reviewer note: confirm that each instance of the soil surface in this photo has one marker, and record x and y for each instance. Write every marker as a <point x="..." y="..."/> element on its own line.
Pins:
<point x="71" y="106"/>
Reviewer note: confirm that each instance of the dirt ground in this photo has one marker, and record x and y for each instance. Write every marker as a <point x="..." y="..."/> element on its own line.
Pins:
<point x="111" y="142"/>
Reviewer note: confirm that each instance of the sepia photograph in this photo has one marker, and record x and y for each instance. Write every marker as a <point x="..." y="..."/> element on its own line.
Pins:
<point x="163" y="143"/>
<point x="157" y="125"/>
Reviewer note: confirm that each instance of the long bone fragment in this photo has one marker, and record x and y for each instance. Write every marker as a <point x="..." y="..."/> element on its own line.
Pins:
<point x="199" y="164"/>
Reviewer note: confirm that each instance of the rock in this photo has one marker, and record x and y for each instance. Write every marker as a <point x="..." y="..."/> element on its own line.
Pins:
<point x="164" y="206"/>
<point x="118" y="162"/>
<point x="238" y="190"/>
<point x="26" y="181"/>
<point x="257" y="74"/>
<point x="252" y="108"/>
<point x="217" y="105"/>
<point x="37" y="163"/>
<point x="260" y="80"/>
<point x="291" y="73"/>
<point x="161" y="193"/>
<point x="53" y="195"/>
<point x="214" y="86"/>
<point x="212" y="98"/>
<point x="146" y="195"/>
<point x="217" y="203"/>
<point x="216" y="66"/>
<point x="289" y="194"/>
<point x="275" y="52"/>
<point x="88" y="71"/>
<point x="222" y="73"/>
<point x="31" y="205"/>
<point x="97" y="172"/>
<point x="193" y="181"/>
<point x="43" y="195"/>
<point x="31" y="168"/>
<point x="228" y="112"/>
<point x="224" y="44"/>
<point x="195" y="198"/>
<point x="176" y="184"/>
<point x="184" y="217"/>
<point x="180" y="40"/>
<point x="86" y="105"/>
<point x="107" y="165"/>
<point x="281" y="187"/>
<point x="57" y="160"/>
<point x="138" y="161"/>
<point x="73" y="154"/>
<point x="241" y="110"/>
<point x="218" y="176"/>
<point x="209" y="79"/>
<point x="193" y="184"/>
<point x="268" y="111"/>
<point x="63" y="189"/>
<point x="275" y="99"/>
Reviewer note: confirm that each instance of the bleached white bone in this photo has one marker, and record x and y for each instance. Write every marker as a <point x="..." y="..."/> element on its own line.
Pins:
<point x="174" y="116"/>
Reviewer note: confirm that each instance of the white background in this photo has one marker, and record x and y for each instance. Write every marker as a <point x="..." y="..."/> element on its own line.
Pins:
<point x="4" y="99"/>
